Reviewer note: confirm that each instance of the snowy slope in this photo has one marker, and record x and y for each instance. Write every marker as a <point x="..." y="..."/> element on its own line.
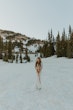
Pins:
<point x="17" y="85"/>
<point x="33" y="48"/>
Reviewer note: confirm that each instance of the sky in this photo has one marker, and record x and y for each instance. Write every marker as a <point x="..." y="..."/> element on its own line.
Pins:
<point x="35" y="18"/>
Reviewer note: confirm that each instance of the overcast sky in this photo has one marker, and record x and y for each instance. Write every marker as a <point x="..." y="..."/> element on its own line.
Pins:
<point x="35" y="18"/>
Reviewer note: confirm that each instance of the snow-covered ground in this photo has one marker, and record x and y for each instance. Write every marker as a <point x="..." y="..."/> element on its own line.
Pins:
<point x="33" y="48"/>
<point x="17" y="85"/>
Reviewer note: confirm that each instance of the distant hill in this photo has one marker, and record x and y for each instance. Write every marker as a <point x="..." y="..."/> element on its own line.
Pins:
<point x="5" y="34"/>
<point x="31" y="43"/>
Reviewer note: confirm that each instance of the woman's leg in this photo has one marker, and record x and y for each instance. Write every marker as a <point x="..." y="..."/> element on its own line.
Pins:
<point x="38" y="85"/>
<point x="39" y="77"/>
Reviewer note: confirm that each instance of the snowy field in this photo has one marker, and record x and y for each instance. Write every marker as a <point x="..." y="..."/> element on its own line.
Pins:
<point x="17" y="85"/>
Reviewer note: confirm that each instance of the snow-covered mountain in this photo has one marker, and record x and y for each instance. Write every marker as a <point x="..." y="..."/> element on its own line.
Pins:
<point x="5" y="34"/>
<point x="32" y="43"/>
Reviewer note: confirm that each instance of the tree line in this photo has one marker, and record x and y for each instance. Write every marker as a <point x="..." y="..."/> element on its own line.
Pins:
<point x="7" y="53"/>
<point x="61" y="45"/>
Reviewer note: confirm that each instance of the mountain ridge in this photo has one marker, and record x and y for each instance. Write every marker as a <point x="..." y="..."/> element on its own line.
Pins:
<point x="13" y="35"/>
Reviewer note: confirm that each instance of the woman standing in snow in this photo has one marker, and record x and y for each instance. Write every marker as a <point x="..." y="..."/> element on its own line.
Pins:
<point x="38" y="67"/>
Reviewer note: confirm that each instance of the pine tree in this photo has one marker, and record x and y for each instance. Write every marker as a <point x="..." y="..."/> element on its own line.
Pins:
<point x="48" y="48"/>
<point x="0" y="43"/>
<point x="70" y="31"/>
<point x="63" y="44"/>
<point x="45" y="49"/>
<point x="9" y="49"/>
<point x="58" y="46"/>
<point x="5" y="57"/>
<point x="51" y="43"/>
<point x="12" y="58"/>
<point x="68" y="49"/>
<point x="21" y="46"/>
<point x="70" y="46"/>
<point x="21" y="58"/>
<point x="26" y="55"/>
<point x="1" y="47"/>
<point x="16" y="58"/>
<point x="6" y="46"/>
<point x="49" y="37"/>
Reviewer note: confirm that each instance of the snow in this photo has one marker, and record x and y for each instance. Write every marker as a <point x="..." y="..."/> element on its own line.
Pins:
<point x="18" y="91"/>
<point x="16" y="49"/>
<point x="33" y="47"/>
<point x="25" y="42"/>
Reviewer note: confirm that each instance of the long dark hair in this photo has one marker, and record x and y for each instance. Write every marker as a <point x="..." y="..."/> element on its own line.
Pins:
<point x="39" y="63"/>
